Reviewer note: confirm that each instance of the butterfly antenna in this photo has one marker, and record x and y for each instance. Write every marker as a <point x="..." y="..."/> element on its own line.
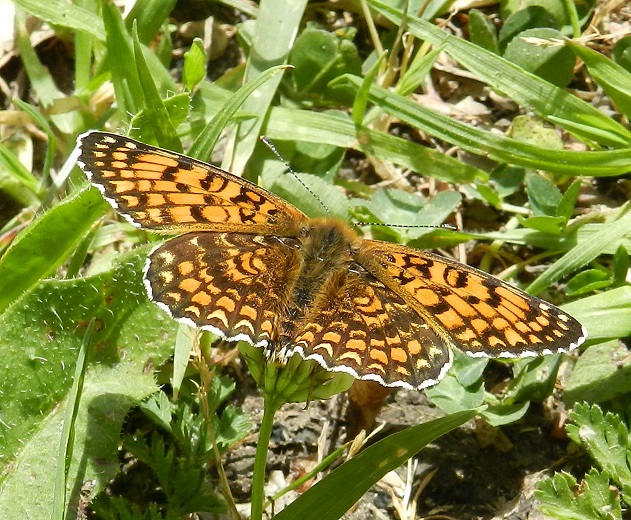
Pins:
<point x="271" y="146"/>
<point x="408" y="226"/>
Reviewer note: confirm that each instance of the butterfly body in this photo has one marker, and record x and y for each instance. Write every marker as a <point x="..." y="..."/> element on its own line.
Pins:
<point x="250" y="266"/>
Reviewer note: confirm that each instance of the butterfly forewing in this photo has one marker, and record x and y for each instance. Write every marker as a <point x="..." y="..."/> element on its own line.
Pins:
<point x="169" y="192"/>
<point x="483" y="315"/>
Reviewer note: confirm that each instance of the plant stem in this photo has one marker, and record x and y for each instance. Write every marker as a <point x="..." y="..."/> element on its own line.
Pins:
<point x="260" y="460"/>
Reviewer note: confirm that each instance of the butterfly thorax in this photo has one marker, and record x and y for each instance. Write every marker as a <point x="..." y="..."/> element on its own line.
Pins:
<point x="327" y="249"/>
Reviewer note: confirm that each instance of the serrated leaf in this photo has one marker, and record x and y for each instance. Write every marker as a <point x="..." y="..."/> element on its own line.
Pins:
<point x="606" y="439"/>
<point x="563" y="499"/>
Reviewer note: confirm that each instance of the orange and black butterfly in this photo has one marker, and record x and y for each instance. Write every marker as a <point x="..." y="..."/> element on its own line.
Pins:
<point x="248" y="265"/>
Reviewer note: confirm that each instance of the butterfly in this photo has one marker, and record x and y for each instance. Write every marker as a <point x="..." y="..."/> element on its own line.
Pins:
<point x="247" y="265"/>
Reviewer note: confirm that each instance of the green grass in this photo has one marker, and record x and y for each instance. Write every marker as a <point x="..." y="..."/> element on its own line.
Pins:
<point x="70" y="270"/>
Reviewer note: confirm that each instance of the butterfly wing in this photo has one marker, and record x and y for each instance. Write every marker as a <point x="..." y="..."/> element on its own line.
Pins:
<point x="235" y="285"/>
<point x="480" y="314"/>
<point x="359" y="326"/>
<point x="169" y="192"/>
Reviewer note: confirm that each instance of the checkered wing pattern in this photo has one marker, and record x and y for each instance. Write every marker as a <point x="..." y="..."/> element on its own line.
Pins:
<point x="232" y="284"/>
<point x="480" y="314"/>
<point x="358" y="325"/>
<point x="169" y="192"/>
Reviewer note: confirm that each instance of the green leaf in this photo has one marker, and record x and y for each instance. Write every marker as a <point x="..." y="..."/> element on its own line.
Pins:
<point x="129" y="94"/>
<point x="337" y="129"/>
<point x="330" y="498"/>
<point x="497" y="147"/>
<point x="319" y="56"/>
<point x="65" y="14"/>
<point x="620" y="265"/>
<point x="66" y="444"/>
<point x="565" y="208"/>
<point x="621" y="52"/>
<point x="578" y="256"/>
<point x="149" y="15"/>
<point x="41" y="80"/>
<point x="22" y="177"/>
<point x="47" y="243"/>
<point x="534" y="379"/>
<point x="614" y="79"/>
<point x="501" y="414"/>
<point x="208" y="137"/>
<point x="314" y="198"/>
<point x="194" y="69"/>
<point x="154" y="109"/>
<point x="176" y="106"/>
<point x="462" y="388"/>
<point x="506" y="179"/>
<point x="588" y="281"/>
<point x="530" y="17"/>
<point x="108" y="394"/>
<point x="41" y="333"/>
<point x="482" y="31"/>
<point x="184" y="342"/>
<point x="544" y="196"/>
<point x="536" y="131"/>
<point x="606" y="315"/>
<point x="602" y="373"/>
<point x="545" y="224"/>
<point x="544" y="58"/>
<point x="276" y="30"/>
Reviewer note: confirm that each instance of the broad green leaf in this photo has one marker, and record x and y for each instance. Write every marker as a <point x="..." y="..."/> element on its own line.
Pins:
<point x="47" y="243"/>
<point x="552" y="62"/>
<point x="41" y="334"/>
<point x="482" y="31"/>
<point x="602" y="373"/>
<point x="528" y="17"/>
<point x="605" y="315"/>
<point x="109" y="391"/>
